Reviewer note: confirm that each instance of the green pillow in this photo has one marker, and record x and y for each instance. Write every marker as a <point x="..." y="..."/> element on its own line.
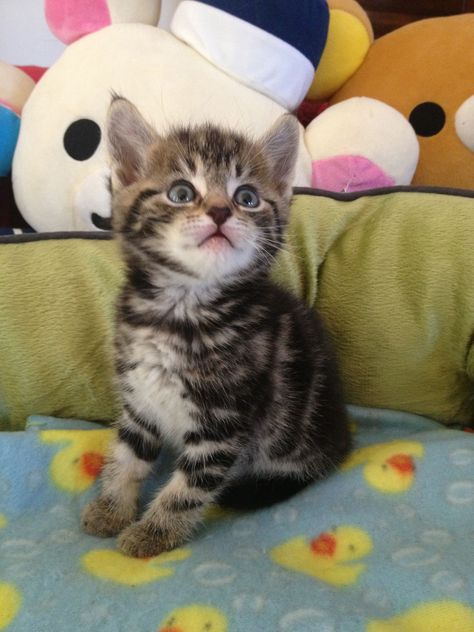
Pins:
<point x="57" y="294"/>
<point x="391" y="271"/>
<point x="394" y="282"/>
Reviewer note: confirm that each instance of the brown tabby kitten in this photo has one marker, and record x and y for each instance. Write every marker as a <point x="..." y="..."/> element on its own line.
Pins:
<point x="212" y="357"/>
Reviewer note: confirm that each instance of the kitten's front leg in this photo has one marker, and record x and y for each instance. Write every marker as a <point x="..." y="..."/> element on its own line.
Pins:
<point x="202" y="471"/>
<point x="131" y="460"/>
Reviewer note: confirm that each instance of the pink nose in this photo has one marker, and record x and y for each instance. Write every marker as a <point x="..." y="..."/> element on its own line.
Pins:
<point x="220" y="214"/>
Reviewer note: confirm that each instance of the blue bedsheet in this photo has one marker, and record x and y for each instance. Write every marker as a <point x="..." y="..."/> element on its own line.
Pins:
<point x="385" y="545"/>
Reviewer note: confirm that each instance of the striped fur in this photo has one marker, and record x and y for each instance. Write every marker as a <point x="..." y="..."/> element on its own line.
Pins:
<point x="211" y="356"/>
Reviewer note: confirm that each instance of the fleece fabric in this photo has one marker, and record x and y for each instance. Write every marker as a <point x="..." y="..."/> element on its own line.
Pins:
<point x="381" y="546"/>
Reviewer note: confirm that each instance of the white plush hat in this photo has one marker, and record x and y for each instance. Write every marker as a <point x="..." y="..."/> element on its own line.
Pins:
<point x="273" y="47"/>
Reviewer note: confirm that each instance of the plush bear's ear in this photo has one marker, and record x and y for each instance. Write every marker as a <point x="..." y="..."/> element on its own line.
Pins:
<point x="129" y="138"/>
<point x="350" y="36"/>
<point x="69" y="20"/>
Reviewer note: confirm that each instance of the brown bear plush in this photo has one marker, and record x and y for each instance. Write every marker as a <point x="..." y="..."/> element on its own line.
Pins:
<point x="424" y="71"/>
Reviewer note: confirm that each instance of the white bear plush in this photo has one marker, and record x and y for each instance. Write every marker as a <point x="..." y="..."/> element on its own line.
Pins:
<point x="218" y="64"/>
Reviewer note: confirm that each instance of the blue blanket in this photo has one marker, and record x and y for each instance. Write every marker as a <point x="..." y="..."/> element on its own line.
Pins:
<point x="385" y="545"/>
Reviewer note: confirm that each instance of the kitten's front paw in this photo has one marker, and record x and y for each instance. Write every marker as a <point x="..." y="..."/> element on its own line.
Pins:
<point x="102" y="519"/>
<point x="145" y="539"/>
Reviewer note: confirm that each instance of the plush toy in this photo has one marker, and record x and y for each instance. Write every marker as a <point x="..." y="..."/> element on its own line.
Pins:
<point x="237" y="64"/>
<point x="361" y="144"/>
<point x="15" y="88"/>
<point x="405" y="116"/>
<point x="70" y="20"/>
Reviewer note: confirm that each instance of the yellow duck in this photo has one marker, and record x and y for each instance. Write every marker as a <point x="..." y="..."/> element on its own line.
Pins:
<point x="389" y="467"/>
<point x="194" y="618"/>
<point x="76" y="466"/>
<point x="3" y="521"/>
<point x="329" y="557"/>
<point x="115" y="567"/>
<point x="436" y="616"/>
<point x="10" y="601"/>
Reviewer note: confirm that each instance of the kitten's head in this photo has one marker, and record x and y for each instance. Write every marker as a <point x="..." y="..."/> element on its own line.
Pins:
<point x="201" y="203"/>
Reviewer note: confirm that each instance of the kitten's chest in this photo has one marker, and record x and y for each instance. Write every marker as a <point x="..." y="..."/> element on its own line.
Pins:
<point x="154" y="385"/>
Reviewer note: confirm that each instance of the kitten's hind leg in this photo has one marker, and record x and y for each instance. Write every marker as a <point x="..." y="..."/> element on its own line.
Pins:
<point x="130" y="463"/>
<point x="257" y="491"/>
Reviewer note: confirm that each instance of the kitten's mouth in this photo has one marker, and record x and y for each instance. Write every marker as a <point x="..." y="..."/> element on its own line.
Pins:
<point x="102" y="223"/>
<point x="216" y="238"/>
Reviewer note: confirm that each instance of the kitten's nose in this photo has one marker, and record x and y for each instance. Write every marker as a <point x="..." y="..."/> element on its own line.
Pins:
<point x="220" y="214"/>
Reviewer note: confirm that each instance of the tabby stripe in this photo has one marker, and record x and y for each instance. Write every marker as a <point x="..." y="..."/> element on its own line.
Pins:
<point x="141" y="423"/>
<point x="166" y="262"/>
<point x="183" y="504"/>
<point x="210" y="394"/>
<point x="190" y="164"/>
<point x="129" y="316"/>
<point x="276" y="215"/>
<point x="123" y="367"/>
<point x="184" y="328"/>
<point x="139" y="280"/>
<point x="219" y="458"/>
<point x="217" y="433"/>
<point x="140" y="445"/>
<point x="136" y="206"/>
<point x="204" y="480"/>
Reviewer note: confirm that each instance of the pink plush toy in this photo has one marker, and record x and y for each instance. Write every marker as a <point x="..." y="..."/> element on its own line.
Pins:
<point x="70" y="20"/>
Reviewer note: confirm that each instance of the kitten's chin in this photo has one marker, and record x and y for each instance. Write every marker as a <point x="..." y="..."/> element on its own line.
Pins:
<point x="217" y="242"/>
<point x="215" y="260"/>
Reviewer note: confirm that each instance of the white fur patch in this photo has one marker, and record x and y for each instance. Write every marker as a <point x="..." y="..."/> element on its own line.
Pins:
<point x="123" y="474"/>
<point x="157" y="387"/>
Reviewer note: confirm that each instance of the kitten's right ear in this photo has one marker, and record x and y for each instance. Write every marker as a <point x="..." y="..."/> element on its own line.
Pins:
<point x="129" y="138"/>
<point x="280" y="144"/>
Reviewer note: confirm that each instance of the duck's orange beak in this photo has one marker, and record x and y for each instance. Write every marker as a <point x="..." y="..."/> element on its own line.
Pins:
<point x="325" y="544"/>
<point x="403" y="463"/>
<point x="91" y="463"/>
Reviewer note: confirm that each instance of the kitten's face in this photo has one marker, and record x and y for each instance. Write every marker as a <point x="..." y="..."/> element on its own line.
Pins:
<point x="209" y="203"/>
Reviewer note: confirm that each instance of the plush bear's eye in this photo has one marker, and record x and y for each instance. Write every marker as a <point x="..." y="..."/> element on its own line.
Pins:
<point x="427" y="119"/>
<point x="81" y="139"/>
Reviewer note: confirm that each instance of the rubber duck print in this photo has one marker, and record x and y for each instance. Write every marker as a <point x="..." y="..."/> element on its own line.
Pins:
<point x="330" y="557"/>
<point x="10" y="601"/>
<point x="194" y="618"/>
<point x="388" y="467"/>
<point x="115" y="567"/>
<point x="436" y="616"/>
<point x="76" y="466"/>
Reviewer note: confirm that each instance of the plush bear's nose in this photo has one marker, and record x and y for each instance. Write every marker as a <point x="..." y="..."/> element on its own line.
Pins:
<point x="220" y="214"/>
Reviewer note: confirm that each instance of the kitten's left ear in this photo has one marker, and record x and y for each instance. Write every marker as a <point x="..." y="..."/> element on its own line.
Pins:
<point x="129" y="138"/>
<point x="280" y="143"/>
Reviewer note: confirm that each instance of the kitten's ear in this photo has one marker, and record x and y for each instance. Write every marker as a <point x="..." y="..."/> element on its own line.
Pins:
<point x="129" y="137"/>
<point x="280" y="143"/>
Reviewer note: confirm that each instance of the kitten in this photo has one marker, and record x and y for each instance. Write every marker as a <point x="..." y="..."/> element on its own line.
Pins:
<point x="212" y="357"/>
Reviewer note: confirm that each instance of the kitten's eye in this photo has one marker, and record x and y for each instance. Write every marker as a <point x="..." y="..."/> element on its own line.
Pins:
<point x="247" y="197"/>
<point x="182" y="192"/>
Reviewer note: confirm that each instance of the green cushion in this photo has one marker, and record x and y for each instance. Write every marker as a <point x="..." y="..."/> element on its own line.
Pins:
<point x="391" y="272"/>
<point x="395" y="285"/>
<point x="56" y="314"/>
